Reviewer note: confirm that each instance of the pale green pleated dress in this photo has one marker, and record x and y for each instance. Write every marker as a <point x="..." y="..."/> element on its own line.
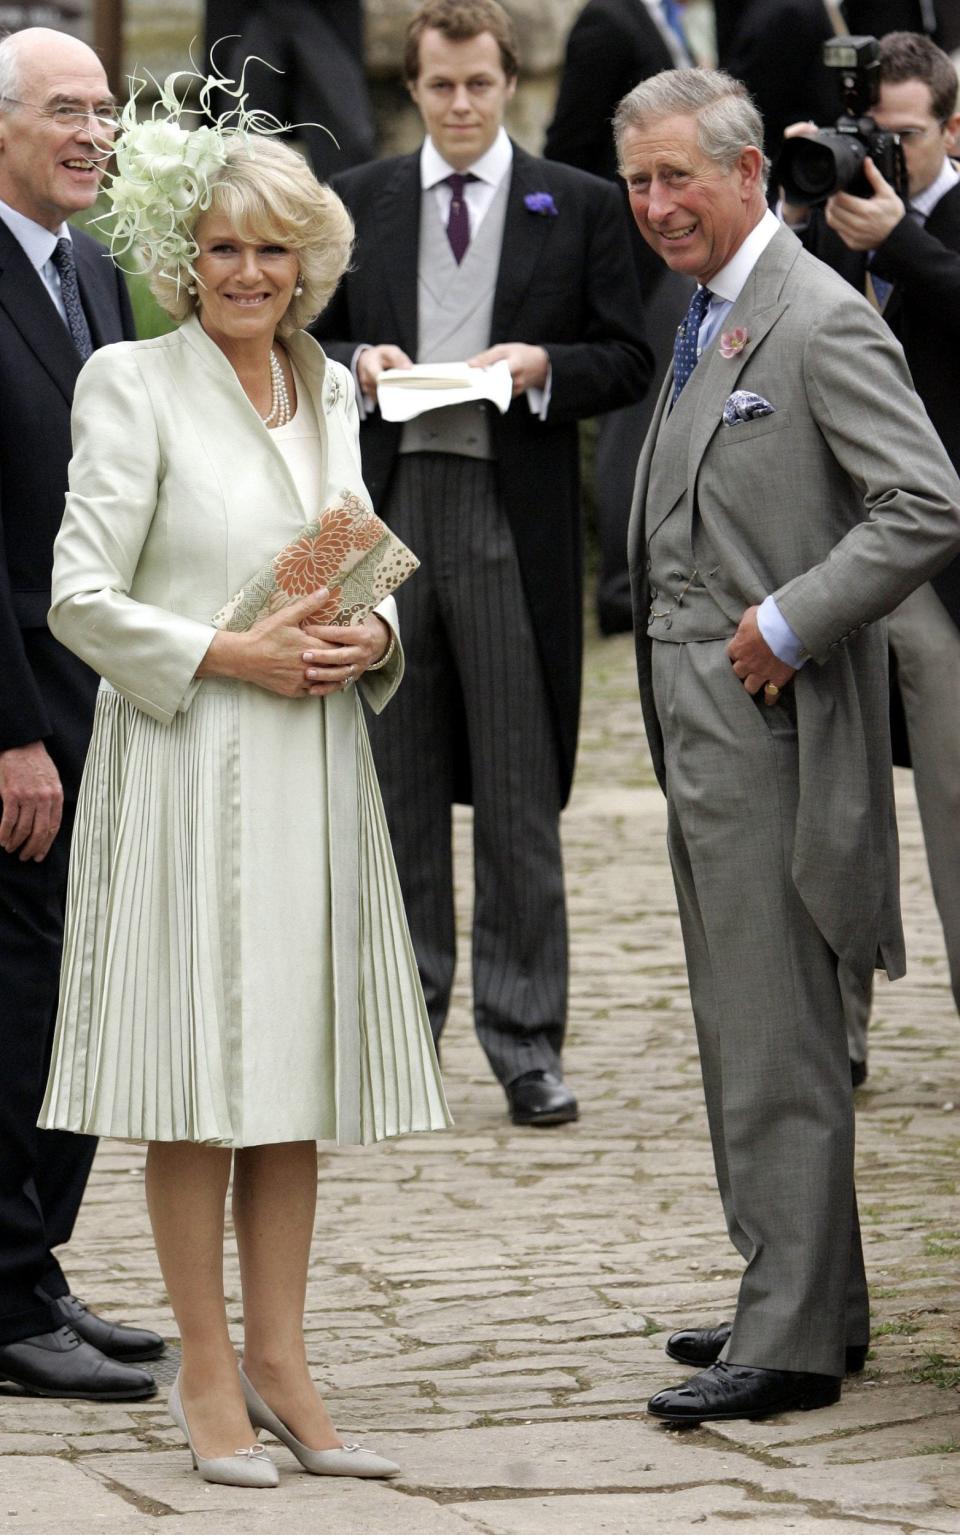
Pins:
<point x="237" y="968"/>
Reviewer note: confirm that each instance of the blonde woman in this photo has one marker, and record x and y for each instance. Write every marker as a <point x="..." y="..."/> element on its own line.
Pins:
<point x="238" y="982"/>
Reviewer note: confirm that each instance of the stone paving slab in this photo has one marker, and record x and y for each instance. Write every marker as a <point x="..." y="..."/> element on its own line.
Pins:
<point x="489" y="1306"/>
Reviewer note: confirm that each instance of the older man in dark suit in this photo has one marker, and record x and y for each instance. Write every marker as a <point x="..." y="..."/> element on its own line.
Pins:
<point x="907" y="256"/>
<point x="461" y="248"/>
<point x="60" y="297"/>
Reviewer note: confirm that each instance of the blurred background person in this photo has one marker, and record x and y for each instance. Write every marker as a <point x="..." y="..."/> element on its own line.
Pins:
<point x="776" y="48"/>
<point x="317" y="47"/>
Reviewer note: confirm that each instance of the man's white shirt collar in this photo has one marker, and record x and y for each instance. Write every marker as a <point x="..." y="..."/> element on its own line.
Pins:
<point x="730" y="281"/>
<point x="38" y="243"/>
<point x="925" y="201"/>
<point x="491" y="167"/>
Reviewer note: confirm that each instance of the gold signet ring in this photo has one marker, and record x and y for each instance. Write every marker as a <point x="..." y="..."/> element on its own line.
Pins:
<point x="770" y="690"/>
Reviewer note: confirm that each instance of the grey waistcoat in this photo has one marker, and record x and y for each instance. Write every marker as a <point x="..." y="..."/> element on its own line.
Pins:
<point x="454" y="315"/>
<point x="685" y="607"/>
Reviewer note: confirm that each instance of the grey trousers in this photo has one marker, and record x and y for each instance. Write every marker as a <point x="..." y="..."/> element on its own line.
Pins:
<point x="473" y="683"/>
<point x="769" y="1016"/>
<point x="926" y="643"/>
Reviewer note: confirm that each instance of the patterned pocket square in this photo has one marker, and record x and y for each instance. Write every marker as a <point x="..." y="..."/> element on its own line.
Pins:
<point x="745" y="406"/>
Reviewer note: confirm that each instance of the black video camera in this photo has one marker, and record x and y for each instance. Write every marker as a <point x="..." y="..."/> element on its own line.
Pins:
<point x="811" y="169"/>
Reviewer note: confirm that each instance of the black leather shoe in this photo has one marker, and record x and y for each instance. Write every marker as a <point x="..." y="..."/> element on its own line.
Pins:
<point x="701" y="1346"/>
<point x="61" y="1364"/>
<point x="125" y="1343"/>
<point x="858" y="1072"/>
<point x="541" y="1098"/>
<point x="742" y="1391"/>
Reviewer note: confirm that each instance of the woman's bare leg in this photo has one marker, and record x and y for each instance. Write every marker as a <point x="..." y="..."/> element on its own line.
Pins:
<point x="274" y="1204"/>
<point x="186" y="1191"/>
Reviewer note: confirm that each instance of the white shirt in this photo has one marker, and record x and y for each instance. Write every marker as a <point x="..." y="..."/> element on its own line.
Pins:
<point x="925" y="201"/>
<point x="38" y="245"/>
<point x="728" y="284"/>
<point x="490" y="170"/>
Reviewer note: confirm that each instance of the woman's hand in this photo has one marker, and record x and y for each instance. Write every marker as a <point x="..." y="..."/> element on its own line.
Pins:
<point x="338" y="655"/>
<point x="271" y="653"/>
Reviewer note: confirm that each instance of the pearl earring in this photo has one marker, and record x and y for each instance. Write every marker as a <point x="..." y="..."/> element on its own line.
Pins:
<point x="192" y="289"/>
<point x="298" y="288"/>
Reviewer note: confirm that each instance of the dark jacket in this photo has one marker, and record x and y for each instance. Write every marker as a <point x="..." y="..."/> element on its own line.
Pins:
<point x="46" y="693"/>
<point x="566" y="283"/>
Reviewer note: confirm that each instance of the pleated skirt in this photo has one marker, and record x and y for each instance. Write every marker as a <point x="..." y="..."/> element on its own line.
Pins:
<point x="237" y="968"/>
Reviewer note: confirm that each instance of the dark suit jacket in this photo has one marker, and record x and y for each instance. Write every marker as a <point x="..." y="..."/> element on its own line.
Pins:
<point x="877" y="17"/>
<point x="46" y="693"/>
<point x="613" y="45"/>
<point x="924" y="314"/>
<point x="775" y="49"/>
<point x="566" y="283"/>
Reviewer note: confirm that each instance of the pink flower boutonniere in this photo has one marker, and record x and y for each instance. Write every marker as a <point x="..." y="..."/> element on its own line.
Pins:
<point x="732" y="342"/>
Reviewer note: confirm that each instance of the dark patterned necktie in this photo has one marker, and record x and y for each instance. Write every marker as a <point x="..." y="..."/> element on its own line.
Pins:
<point x="70" y="293"/>
<point x="688" y="335"/>
<point x="458" y="224"/>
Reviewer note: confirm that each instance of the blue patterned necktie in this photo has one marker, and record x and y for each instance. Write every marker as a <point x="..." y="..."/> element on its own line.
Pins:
<point x="70" y="293"/>
<point x="688" y="336"/>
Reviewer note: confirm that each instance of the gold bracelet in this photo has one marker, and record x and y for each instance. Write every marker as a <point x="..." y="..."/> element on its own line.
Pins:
<point x="387" y="654"/>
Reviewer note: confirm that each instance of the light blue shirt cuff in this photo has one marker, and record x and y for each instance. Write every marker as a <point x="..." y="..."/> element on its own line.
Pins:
<point x="779" y="635"/>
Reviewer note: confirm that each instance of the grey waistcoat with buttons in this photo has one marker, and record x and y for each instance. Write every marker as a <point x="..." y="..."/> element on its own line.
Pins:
<point x="677" y="592"/>
<point x="454" y="315"/>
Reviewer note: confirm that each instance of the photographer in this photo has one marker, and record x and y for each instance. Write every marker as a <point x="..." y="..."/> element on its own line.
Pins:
<point x="906" y="256"/>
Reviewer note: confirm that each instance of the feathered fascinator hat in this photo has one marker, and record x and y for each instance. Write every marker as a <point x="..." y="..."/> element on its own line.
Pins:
<point x="166" y="165"/>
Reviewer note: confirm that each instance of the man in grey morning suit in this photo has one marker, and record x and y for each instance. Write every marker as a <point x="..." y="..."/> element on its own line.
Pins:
<point x="462" y="248"/>
<point x="791" y="492"/>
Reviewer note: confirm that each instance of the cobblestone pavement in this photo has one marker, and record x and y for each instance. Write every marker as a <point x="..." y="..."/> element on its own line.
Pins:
<point x="489" y="1306"/>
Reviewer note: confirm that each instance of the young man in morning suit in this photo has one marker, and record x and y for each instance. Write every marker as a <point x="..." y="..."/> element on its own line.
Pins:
<point x="911" y="257"/>
<point x="60" y="296"/>
<point x="461" y="248"/>
<point x="791" y="492"/>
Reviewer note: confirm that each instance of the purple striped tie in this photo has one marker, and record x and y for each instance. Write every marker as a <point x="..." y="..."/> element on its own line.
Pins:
<point x="458" y="224"/>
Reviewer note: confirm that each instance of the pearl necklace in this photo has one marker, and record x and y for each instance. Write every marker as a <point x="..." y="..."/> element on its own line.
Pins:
<point x="280" y="412"/>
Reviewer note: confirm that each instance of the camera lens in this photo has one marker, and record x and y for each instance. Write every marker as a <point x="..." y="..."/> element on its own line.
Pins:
<point x="811" y="170"/>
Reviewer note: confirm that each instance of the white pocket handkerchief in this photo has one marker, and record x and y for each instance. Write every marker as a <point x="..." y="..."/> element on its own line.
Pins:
<point x="745" y="406"/>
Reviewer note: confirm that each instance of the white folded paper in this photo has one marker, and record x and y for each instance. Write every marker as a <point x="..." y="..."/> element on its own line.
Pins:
<point x="403" y="393"/>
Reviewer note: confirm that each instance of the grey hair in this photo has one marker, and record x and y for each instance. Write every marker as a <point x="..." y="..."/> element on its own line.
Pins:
<point x="728" y="122"/>
<point x="10" y="75"/>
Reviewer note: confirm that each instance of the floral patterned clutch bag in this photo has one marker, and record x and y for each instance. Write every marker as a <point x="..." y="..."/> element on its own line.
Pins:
<point x="347" y="549"/>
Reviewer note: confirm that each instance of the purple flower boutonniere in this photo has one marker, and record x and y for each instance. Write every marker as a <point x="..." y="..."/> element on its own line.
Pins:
<point x="732" y="342"/>
<point x="542" y="203"/>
